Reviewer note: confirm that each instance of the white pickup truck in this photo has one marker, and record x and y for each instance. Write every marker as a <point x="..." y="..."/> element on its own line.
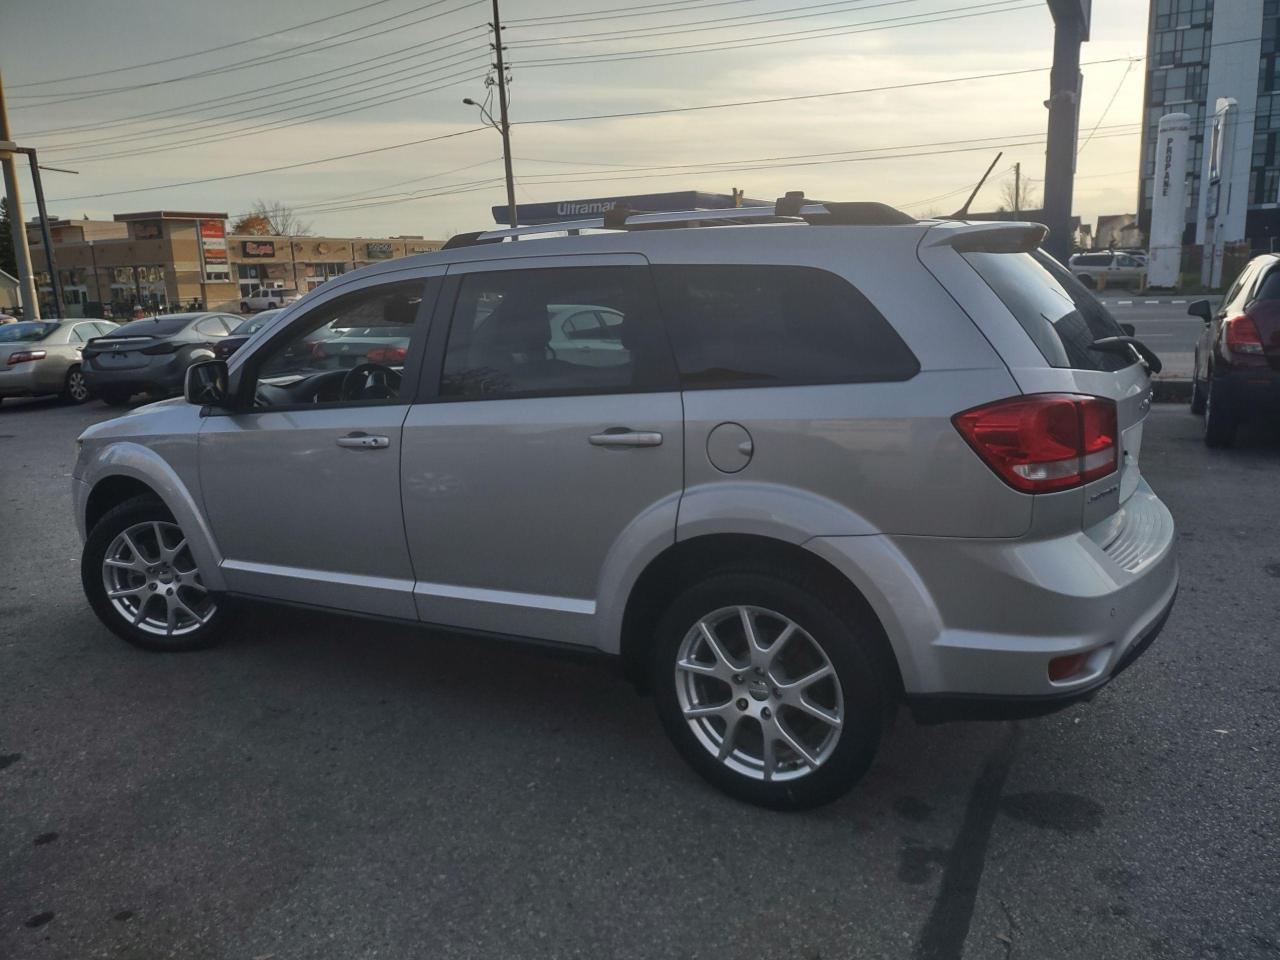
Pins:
<point x="268" y="298"/>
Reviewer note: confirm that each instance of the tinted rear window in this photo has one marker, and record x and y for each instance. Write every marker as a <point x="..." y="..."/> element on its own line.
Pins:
<point x="25" y="332"/>
<point x="157" y="327"/>
<point x="1058" y="313"/>
<point x="759" y="326"/>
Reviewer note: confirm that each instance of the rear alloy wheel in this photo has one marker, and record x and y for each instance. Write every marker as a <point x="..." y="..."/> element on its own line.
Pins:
<point x="1220" y="419"/>
<point x="143" y="582"/>
<point x="766" y="692"/>
<point x="74" y="389"/>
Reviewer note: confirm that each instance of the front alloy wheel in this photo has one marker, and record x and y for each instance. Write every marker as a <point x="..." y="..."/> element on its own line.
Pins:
<point x="143" y="581"/>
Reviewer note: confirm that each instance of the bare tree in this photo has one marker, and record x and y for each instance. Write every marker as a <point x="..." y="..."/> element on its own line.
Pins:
<point x="271" y="218"/>
<point x="1024" y="199"/>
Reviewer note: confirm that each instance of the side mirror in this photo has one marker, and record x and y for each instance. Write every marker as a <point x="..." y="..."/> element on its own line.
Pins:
<point x="1129" y="329"/>
<point x="1201" y="309"/>
<point x="206" y="384"/>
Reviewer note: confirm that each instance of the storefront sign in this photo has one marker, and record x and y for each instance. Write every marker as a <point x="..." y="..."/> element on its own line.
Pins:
<point x="146" y="230"/>
<point x="258" y="248"/>
<point x="213" y="250"/>
<point x="378" y="251"/>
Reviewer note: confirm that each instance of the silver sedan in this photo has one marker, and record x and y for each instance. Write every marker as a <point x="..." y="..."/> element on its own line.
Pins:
<point x="39" y="357"/>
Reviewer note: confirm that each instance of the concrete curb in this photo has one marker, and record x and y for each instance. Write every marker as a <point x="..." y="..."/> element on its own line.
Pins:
<point x="1171" y="391"/>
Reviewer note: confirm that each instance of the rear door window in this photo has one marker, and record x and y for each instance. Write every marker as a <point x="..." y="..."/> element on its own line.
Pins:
<point x="1060" y="316"/>
<point x="763" y="326"/>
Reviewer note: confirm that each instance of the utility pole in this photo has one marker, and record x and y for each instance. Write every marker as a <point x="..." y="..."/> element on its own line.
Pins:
<point x="1017" y="189"/>
<point x="17" y="223"/>
<point x="55" y="282"/>
<point x="1071" y="28"/>
<point x="505" y="125"/>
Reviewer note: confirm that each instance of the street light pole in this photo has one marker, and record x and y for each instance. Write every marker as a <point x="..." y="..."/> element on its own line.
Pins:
<point x="505" y="125"/>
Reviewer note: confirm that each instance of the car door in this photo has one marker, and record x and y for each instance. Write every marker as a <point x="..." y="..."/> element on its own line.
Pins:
<point x="301" y="480"/>
<point x="529" y="472"/>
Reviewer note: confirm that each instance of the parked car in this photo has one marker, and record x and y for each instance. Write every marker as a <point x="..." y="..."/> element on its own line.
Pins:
<point x="839" y="463"/>
<point x="243" y="330"/>
<point x="1109" y="269"/>
<point x="40" y="357"/>
<point x="269" y="298"/>
<point x="1236" y="376"/>
<point x="152" y="355"/>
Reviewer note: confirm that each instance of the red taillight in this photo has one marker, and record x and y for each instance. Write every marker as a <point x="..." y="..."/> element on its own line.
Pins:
<point x="1242" y="335"/>
<point x="23" y="356"/>
<point x="163" y="347"/>
<point x="1044" y="442"/>
<point x="386" y="354"/>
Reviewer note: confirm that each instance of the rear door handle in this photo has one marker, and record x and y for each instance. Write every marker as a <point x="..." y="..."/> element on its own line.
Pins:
<point x="625" y="438"/>
<point x="363" y="441"/>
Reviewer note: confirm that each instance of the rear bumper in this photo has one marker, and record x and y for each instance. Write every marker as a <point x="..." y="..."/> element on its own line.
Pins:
<point x="983" y="619"/>
<point x="31" y="379"/>
<point x="1252" y="392"/>
<point x="164" y="377"/>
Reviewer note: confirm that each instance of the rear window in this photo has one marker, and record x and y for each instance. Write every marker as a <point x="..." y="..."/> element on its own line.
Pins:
<point x="1058" y="313"/>
<point x="152" y="327"/>
<point x="761" y="326"/>
<point x="28" y="332"/>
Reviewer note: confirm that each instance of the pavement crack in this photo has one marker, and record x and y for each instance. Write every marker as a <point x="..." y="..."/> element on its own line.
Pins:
<point x="947" y="927"/>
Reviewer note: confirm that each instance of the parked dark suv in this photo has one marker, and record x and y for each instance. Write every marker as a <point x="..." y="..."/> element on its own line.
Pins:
<point x="1237" y="368"/>
<point x="151" y="356"/>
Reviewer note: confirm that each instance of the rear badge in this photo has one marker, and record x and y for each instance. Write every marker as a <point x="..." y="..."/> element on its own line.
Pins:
<point x="1114" y="488"/>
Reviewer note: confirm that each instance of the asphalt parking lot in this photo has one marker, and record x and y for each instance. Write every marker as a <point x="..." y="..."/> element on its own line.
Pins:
<point x="330" y="788"/>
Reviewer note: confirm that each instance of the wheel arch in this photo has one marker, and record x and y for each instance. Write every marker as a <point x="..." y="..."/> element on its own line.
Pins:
<point x="687" y="561"/>
<point x="125" y="470"/>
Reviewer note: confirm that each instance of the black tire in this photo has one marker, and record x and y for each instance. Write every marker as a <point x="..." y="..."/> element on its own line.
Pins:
<point x="1197" y="395"/>
<point x="138" y="510"/>
<point x="1089" y="283"/>
<point x="116" y="396"/>
<point x="1220" y="418"/>
<point x="74" y="389"/>
<point x="244" y="306"/>
<point x="845" y="641"/>
<point x="270" y="305"/>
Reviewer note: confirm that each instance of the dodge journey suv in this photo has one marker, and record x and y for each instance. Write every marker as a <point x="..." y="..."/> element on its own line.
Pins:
<point x="791" y="469"/>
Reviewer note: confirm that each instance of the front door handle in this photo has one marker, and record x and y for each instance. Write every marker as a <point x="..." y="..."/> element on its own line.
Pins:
<point x="619" y="437"/>
<point x="363" y="441"/>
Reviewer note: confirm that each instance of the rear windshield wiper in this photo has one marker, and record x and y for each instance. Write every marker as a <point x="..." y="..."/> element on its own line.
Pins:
<point x="1126" y="347"/>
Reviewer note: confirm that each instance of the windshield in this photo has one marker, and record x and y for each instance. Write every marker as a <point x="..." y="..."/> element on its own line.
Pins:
<point x="152" y="327"/>
<point x="28" y="332"/>
<point x="1058" y="313"/>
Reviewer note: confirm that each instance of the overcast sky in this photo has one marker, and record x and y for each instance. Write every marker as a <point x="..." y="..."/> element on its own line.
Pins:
<point x="350" y="83"/>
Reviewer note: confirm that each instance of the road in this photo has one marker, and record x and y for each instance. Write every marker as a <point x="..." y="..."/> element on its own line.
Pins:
<point x="327" y="788"/>
<point x="1163" y="325"/>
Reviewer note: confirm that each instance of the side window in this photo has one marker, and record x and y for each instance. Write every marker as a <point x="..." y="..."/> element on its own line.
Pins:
<point x="548" y="331"/>
<point x="104" y="328"/>
<point x="80" y="333"/>
<point x="1269" y="287"/>
<point x="349" y="350"/>
<point x="751" y="326"/>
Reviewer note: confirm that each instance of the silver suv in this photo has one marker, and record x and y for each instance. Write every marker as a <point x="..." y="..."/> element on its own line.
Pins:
<point x="790" y="473"/>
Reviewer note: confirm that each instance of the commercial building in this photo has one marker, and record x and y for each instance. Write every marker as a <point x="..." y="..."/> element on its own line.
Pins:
<point x="167" y="259"/>
<point x="1201" y="52"/>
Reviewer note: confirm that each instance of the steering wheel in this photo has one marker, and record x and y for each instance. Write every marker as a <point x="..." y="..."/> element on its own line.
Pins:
<point x="370" y="381"/>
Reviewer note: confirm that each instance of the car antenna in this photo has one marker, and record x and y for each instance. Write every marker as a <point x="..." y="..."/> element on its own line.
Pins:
<point x="964" y="211"/>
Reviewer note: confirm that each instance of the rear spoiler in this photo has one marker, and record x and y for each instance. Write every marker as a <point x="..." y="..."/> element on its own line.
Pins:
<point x="987" y="237"/>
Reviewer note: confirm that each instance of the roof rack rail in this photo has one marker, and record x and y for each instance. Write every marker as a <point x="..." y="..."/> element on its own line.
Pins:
<point x="791" y="208"/>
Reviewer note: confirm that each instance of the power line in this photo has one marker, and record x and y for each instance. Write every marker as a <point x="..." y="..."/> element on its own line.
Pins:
<point x="662" y="30"/>
<point x="867" y="26"/>
<point x="199" y="53"/>
<point x="627" y="11"/>
<point x="287" y="166"/>
<point x="425" y="46"/>
<point x="1106" y="109"/>
<point x="298" y="51"/>
<point x="464" y="76"/>
<point x="262" y="111"/>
